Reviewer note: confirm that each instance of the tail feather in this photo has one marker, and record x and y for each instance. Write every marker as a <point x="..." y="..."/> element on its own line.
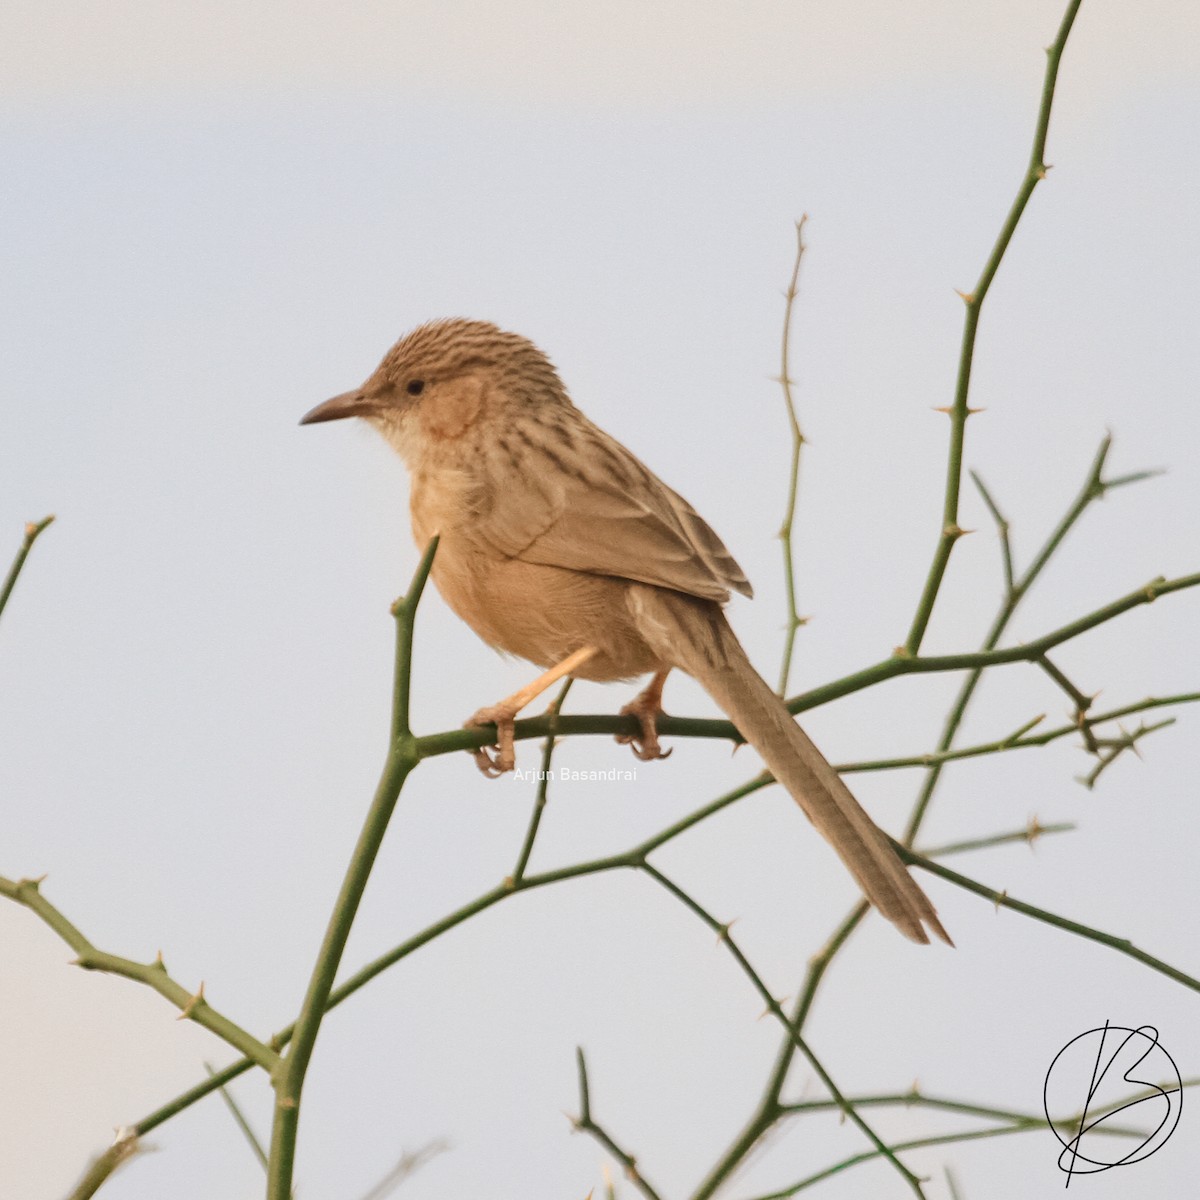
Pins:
<point x="710" y="652"/>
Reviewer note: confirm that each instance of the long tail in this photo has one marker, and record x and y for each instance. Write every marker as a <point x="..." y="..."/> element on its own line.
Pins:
<point x="703" y="645"/>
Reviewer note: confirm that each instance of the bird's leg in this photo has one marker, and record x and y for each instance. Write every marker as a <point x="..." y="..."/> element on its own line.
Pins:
<point x="503" y="715"/>
<point x="647" y="707"/>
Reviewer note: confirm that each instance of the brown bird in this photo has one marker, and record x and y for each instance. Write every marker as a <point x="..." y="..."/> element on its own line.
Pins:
<point x="558" y="545"/>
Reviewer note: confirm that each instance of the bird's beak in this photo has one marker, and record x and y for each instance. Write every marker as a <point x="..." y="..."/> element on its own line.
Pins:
<point x="348" y="404"/>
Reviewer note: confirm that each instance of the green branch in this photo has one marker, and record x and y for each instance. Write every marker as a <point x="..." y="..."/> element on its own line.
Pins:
<point x="959" y="410"/>
<point x="918" y="1099"/>
<point x="240" y="1120"/>
<point x="102" y="1167"/>
<point x="539" y="799"/>
<point x="1004" y="900"/>
<point x="455" y="740"/>
<point x="940" y="1139"/>
<point x="1013" y="1122"/>
<point x="586" y="1123"/>
<point x="32" y="532"/>
<point x="773" y="1006"/>
<point x="192" y="1006"/>
<point x="288" y="1079"/>
<point x="1029" y="835"/>
<point x="1022" y="739"/>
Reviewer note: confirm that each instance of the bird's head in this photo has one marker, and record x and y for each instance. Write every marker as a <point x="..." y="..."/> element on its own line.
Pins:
<point x="437" y="382"/>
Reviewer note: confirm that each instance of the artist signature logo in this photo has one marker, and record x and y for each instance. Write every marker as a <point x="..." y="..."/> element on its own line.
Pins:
<point x="1116" y="1075"/>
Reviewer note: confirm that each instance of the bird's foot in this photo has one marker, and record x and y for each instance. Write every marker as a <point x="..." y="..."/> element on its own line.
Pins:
<point x="647" y="707"/>
<point x="503" y="716"/>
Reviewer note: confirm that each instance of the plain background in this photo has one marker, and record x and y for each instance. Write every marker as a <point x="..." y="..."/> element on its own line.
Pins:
<point x="215" y="216"/>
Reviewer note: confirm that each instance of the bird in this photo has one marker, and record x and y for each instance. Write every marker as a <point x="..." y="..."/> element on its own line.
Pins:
<point x="559" y="546"/>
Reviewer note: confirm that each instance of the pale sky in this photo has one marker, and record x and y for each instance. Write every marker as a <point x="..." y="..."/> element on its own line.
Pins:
<point x="218" y="215"/>
<point x="619" y="53"/>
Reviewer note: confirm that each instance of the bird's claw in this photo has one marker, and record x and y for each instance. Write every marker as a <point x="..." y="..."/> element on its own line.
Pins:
<point x="644" y="744"/>
<point x="505" y="756"/>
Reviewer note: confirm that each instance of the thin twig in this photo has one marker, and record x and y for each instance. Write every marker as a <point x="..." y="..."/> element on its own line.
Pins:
<point x="773" y="1006"/>
<point x="918" y="1099"/>
<point x="192" y="1006"/>
<point x="100" y="1169"/>
<point x="33" y="530"/>
<point x="1013" y="1122"/>
<point x="794" y="620"/>
<point x="1091" y="491"/>
<point x="586" y="1123"/>
<point x="1005" y="531"/>
<point x="1004" y="900"/>
<point x="1109" y="749"/>
<point x="411" y="1161"/>
<point x="941" y="1139"/>
<point x="1081" y="701"/>
<point x="1029" y="835"/>
<point x="1021" y="739"/>
<point x="959" y="410"/>
<point x="539" y="799"/>
<point x="240" y="1120"/>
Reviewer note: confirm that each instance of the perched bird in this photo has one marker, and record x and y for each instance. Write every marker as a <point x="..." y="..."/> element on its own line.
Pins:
<point x="558" y="545"/>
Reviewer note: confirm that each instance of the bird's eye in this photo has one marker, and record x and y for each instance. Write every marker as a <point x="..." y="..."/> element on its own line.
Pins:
<point x="415" y="387"/>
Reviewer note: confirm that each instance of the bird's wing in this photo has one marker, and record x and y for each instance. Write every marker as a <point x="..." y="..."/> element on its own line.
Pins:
<point x="597" y="508"/>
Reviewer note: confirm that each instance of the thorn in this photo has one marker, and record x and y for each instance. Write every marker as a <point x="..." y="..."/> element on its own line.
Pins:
<point x="914" y="1091"/>
<point x="900" y="652"/>
<point x="1131" y="740"/>
<point x="943" y="408"/>
<point x="508" y="883"/>
<point x="33" y="884"/>
<point x="723" y="930"/>
<point x="193" y="1004"/>
<point x="968" y="298"/>
<point x="955" y="531"/>
<point x="1033" y="830"/>
<point x="575" y="1122"/>
<point x="1000" y="898"/>
<point x="972" y="411"/>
